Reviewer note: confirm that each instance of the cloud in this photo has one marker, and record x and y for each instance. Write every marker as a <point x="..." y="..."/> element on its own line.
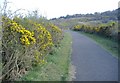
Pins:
<point x="56" y="8"/>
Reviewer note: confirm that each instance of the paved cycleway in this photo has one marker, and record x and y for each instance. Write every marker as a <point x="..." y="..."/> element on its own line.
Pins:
<point x="91" y="61"/>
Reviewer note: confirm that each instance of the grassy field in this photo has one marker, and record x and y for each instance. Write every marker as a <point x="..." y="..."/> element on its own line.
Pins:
<point x="109" y="45"/>
<point x="57" y="66"/>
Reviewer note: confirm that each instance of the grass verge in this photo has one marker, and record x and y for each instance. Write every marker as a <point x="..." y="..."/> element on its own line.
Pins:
<point x="109" y="45"/>
<point x="57" y="66"/>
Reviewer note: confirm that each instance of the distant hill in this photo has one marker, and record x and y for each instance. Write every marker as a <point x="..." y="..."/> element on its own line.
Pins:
<point x="104" y="17"/>
<point x="69" y="21"/>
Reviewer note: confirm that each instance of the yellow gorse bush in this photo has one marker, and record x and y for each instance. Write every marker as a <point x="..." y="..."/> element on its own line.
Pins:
<point x="77" y="27"/>
<point x="97" y="29"/>
<point x="28" y="42"/>
<point x="55" y="32"/>
<point x="55" y="28"/>
<point x="26" y="37"/>
<point x="44" y="41"/>
<point x="106" y="30"/>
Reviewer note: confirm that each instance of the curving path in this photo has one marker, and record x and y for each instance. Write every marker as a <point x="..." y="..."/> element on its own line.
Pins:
<point x="92" y="63"/>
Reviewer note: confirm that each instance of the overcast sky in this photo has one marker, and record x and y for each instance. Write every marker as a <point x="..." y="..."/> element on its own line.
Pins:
<point x="57" y="8"/>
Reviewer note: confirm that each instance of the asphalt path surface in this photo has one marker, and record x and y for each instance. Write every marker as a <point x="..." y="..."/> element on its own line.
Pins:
<point x="91" y="61"/>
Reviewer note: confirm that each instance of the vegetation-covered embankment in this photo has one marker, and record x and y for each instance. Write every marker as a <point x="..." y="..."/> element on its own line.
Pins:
<point x="57" y="66"/>
<point x="26" y="42"/>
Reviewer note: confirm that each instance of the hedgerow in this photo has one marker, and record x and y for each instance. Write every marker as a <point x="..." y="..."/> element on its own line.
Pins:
<point x="108" y="30"/>
<point x="26" y="43"/>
